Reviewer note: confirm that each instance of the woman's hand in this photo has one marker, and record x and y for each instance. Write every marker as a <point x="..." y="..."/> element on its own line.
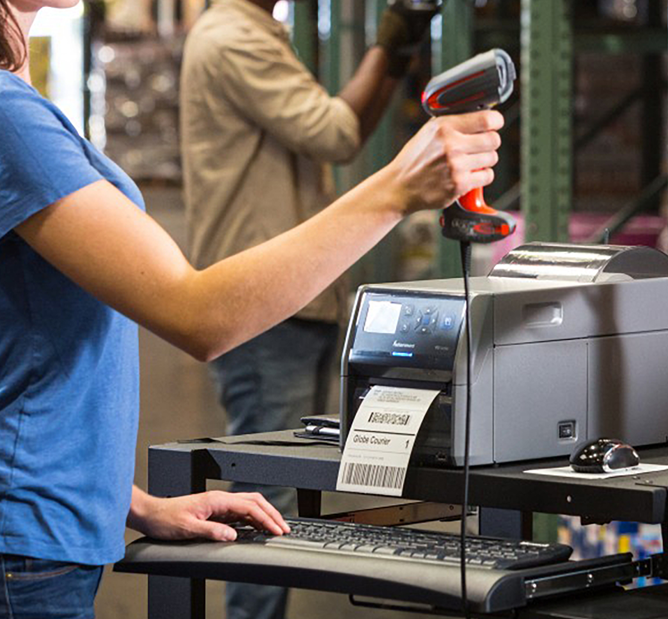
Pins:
<point x="448" y="157"/>
<point x="202" y="515"/>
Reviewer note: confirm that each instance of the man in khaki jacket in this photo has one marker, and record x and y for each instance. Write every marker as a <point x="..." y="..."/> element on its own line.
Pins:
<point x="257" y="134"/>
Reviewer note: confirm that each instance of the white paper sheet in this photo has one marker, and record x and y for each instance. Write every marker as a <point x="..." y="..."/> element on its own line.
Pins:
<point x="567" y="471"/>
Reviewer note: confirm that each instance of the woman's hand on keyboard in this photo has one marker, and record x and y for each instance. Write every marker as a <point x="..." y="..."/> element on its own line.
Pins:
<point x="202" y="515"/>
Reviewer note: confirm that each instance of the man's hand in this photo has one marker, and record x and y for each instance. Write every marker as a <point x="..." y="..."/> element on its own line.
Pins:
<point x="447" y="158"/>
<point x="202" y="515"/>
<point x="417" y="16"/>
<point x="400" y="31"/>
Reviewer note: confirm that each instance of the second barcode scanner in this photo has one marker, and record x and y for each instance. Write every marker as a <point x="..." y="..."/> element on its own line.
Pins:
<point x="479" y="83"/>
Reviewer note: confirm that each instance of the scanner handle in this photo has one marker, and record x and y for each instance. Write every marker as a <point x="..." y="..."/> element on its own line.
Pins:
<point x="474" y="200"/>
<point x="471" y="219"/>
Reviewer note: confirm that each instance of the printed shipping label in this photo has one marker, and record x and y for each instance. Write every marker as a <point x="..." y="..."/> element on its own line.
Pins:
<point x="380" y="442"/>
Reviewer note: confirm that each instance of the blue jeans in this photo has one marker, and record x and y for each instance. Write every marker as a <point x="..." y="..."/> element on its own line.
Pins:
<point x="41" y="589"/>
<point x="268" y="384"/>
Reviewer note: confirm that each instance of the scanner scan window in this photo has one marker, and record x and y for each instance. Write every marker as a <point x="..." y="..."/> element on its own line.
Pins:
<point x="382" y="317"/>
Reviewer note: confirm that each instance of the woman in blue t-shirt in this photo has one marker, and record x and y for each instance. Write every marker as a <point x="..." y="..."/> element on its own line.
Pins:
<point x="80" y="265"/>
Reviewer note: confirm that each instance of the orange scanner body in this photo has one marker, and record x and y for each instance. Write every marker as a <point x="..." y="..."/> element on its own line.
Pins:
<point x="474" y="200"/>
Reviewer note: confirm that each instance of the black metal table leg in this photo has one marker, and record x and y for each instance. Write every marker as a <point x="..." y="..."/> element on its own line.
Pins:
<point x="175" y="474"/>
<point x="508" y="523"/>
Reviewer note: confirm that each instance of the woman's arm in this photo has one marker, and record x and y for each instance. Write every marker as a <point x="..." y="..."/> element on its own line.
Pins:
<point x="105" y="244"/>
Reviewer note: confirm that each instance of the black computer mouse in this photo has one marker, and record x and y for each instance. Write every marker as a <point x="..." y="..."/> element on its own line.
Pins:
<point x="603" y="455"/>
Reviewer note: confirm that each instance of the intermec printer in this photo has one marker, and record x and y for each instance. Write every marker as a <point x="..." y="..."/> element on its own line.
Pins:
<point x="570" y="343"/>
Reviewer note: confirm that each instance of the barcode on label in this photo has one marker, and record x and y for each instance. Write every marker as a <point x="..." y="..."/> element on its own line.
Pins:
<point x="393" y="419"/>
<point x="374" y="475"/>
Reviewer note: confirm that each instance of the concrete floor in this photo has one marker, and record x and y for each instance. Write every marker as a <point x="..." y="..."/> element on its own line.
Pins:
<point x="177" y="402"/>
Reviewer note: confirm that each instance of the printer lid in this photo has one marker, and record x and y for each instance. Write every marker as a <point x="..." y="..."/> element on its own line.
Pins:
<point x="582" y="263"/>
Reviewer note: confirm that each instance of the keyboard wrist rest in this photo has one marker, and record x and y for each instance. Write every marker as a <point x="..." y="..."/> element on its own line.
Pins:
<point x="370" y="576"/>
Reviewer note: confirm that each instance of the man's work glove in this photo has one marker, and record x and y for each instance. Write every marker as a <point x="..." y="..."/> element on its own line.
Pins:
<point x="402" y="27"/>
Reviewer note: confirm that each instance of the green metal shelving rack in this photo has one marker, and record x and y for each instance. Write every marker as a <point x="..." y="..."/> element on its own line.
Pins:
<point x="546" y="77"/>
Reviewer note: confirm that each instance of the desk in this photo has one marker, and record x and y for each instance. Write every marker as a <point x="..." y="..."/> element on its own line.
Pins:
<point x="505" y="494"/>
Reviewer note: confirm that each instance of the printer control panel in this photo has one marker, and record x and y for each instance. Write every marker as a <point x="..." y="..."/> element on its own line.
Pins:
<point x="410" y="330"/>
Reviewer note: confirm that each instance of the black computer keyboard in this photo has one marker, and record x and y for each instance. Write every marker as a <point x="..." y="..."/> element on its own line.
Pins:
<point x="413" y="544"/>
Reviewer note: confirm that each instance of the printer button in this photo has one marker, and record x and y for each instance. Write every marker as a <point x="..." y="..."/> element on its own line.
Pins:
<point x="405" y="328"/>
<point x="409" y="310"/>
<point x="448" y="322"/>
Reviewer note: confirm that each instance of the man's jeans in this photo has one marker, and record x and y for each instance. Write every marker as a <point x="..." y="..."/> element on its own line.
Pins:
<point x="268" y="384"/>
<point x="40" y="589"/>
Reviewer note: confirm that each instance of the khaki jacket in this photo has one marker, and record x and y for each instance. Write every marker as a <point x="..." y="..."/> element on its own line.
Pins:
<point x="257" y="131"/>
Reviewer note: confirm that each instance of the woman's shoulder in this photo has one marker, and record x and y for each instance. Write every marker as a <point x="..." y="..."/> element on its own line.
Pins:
<point x="18" y="99"/>
<point x="13" y="86"/>
<point x="23" y="107"/>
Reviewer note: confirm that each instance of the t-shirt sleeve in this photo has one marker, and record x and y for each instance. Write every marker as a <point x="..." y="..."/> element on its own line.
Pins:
<point x="41" y="160"/>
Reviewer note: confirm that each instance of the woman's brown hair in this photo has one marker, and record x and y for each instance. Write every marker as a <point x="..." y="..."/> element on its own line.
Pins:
<point x="12" y="49"/>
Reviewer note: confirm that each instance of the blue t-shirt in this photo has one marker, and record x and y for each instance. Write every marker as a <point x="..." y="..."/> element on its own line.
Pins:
<point x="68" y="363"/>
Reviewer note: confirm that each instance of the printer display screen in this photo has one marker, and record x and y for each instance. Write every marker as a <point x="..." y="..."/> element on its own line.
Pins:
<point x="382" y="317"/>
<point x="410" y="330"/>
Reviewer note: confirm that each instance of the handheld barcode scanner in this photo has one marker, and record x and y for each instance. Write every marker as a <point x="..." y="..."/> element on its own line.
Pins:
<point x="476" y="84"/>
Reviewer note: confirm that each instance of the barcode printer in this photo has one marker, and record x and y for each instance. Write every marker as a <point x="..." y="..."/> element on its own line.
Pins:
<point x="570" y="342"/>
